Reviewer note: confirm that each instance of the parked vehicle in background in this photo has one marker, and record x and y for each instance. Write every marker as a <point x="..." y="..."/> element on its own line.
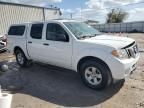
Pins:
<point x="3" y="42"/>
<point x="98" y="58"/>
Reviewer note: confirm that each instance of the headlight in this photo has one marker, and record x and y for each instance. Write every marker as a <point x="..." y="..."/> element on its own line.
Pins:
<point x="122" y="54"/>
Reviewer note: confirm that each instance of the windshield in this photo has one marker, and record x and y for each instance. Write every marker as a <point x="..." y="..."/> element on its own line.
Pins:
<point x="81" y="30"/>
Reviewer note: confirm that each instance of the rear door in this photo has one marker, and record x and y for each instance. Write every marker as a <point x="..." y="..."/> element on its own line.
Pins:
<point x="35" y="42"/>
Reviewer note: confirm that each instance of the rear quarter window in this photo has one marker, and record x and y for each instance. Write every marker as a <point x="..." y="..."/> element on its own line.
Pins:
<point x="16" y="30"/>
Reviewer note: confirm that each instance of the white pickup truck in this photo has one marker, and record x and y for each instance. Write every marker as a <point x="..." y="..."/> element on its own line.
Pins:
<point x="74" y="45"/>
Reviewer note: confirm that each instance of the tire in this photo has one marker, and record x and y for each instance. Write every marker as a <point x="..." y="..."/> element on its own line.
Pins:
<point x="95" y="74"/>
<point x="21" y="58"/>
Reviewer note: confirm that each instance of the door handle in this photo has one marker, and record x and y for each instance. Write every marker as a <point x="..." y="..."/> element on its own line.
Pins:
<point x="46" y="44"/>
<point x="29" y="42"/>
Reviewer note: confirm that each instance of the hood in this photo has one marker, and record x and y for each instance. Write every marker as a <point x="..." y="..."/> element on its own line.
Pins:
<point x="113" y="41"/>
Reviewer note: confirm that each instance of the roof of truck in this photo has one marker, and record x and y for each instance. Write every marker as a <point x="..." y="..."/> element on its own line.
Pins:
<point x="59" y="20"/>
<point x="54" y="20"/>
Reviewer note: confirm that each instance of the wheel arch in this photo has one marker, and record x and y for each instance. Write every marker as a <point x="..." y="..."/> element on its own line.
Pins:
<point x="84" y="59"/>
<point x="17" y="48"/>
<point x="24" y="51"/>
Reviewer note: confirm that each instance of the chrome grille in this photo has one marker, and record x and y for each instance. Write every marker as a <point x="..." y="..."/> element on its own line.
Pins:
<point x="132" y="50"/>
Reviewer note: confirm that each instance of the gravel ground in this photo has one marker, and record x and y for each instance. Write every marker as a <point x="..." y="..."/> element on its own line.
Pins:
<point x="44" y="86"/>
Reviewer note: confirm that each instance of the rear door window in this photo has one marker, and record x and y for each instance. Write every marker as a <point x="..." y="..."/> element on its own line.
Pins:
<point x="16" y="30"/>
<point x="36" y="31"/>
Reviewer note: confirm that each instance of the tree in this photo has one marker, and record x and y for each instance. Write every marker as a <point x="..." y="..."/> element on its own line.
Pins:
<point x="116" y="16"/>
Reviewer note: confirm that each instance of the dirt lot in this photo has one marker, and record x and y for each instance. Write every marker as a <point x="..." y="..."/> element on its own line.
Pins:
<point x="43" y="86"/>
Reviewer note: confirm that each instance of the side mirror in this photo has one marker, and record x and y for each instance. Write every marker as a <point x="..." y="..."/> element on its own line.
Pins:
<point x="62" y="37"/>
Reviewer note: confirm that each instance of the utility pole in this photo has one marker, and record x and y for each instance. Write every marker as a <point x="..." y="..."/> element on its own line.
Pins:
<point x="81" y="12"/>
<point x="71" y="15"/>
<point x="100" y="3"/>
<point x="44" y="14"/>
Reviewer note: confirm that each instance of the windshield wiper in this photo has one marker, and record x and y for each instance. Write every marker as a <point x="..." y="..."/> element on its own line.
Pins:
<point x="86" y="36"/>
<point x="97" y="34"/>
<point x="83" y="37"/>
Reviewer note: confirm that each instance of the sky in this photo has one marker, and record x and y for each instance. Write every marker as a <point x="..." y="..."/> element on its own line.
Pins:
<point x="91" y="9"/>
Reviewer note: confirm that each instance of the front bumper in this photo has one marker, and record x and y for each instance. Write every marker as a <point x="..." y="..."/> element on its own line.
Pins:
<point x="122" y="68"/>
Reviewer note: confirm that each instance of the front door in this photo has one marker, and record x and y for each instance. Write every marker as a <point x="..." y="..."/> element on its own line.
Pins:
<point x="57" y="46"/>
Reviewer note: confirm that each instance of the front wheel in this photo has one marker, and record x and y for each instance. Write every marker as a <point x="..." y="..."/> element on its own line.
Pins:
<point x="95" y="74"/>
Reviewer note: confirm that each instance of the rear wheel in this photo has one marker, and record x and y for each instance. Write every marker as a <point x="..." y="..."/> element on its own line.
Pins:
<point x="95" y="74"/>
<point x="21" y="58"/>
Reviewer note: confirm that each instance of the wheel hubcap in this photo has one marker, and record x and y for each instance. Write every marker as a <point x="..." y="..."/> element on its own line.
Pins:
<point x="20" y="58"/>
<point x="93" y="75"/>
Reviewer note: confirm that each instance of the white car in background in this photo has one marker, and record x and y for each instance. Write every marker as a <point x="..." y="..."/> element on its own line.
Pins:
<point x="3" y="42"/>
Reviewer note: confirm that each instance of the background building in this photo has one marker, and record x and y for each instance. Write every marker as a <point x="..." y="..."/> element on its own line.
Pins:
<point x="17" y="13"/>
<point x="121" y="27"/>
